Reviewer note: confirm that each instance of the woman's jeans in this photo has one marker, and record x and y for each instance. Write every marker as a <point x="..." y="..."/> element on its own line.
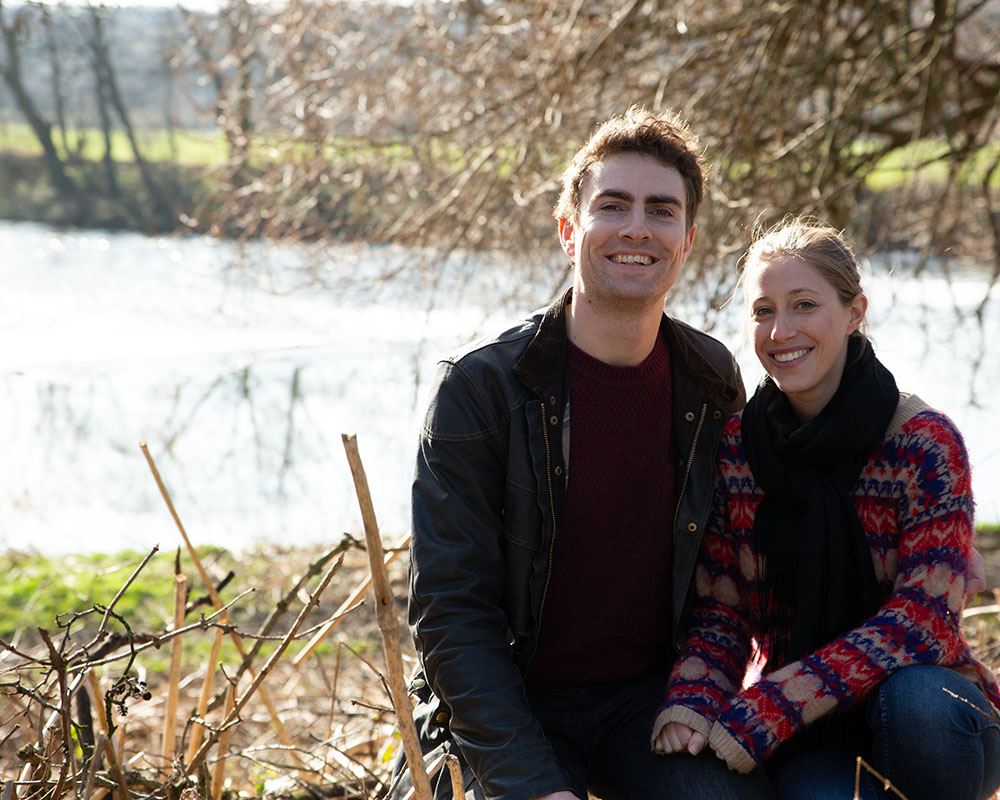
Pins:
<point x="933" y="735"/>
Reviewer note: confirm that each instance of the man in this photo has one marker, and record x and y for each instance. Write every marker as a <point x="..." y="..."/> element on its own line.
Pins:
<point x="552" y="554"/>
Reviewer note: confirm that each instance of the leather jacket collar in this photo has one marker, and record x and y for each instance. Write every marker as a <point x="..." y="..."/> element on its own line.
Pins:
<point x="542" y="361"/>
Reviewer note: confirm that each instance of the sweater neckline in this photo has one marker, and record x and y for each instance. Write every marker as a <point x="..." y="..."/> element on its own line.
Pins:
<point x="657" y="362"/>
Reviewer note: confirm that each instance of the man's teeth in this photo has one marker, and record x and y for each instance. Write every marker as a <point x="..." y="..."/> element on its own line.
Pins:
<point x="780" y="357"/>
<point x="632" y="259"/>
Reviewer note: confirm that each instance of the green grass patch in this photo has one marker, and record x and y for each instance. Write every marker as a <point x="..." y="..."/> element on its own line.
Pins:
<point x="209" y="148"/>
<point x="185" y="147"/>
<point x="925" y="161"/>
<point x="52" y="592"/>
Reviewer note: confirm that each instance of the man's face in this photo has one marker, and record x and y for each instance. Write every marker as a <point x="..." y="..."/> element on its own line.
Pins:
<point x="632" y="236"/>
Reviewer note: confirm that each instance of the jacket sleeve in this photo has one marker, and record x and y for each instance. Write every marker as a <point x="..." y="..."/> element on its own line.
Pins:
<point x="919" y="624"/>
<point x="456" y="589"/>
<point x="714" y="661"/>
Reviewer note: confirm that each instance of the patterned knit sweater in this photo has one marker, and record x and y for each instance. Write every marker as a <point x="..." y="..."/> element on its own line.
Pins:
<point x="914" y="500"/>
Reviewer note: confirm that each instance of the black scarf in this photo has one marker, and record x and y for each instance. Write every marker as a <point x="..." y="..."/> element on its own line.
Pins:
<point x="818" y="580"/>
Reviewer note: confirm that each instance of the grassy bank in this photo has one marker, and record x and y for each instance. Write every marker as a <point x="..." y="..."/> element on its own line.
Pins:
<point x="28" y="195"/>
<point x="320" y="726"/>
<point x="321" y="719"/>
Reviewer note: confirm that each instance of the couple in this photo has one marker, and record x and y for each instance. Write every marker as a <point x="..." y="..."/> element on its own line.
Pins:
<point x="603" y="547"/>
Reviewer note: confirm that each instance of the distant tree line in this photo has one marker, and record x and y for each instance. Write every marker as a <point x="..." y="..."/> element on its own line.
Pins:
<point x="445" y="125"/>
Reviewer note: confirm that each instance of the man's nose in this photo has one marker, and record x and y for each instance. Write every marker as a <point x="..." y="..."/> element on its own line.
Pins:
<point x="635" y="226"/>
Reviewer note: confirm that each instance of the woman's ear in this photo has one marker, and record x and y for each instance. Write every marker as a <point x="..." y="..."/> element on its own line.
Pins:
<point x="859" y="307"/>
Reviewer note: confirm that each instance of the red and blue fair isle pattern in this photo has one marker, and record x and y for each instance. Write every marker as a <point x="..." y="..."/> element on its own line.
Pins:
<point x="914" y="500"/>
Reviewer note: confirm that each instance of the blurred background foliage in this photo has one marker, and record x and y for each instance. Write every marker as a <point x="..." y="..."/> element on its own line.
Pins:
<point x="444" y="125"/>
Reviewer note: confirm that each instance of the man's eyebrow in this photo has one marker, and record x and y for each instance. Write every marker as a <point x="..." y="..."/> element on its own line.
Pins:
<point x="653" y="199"/>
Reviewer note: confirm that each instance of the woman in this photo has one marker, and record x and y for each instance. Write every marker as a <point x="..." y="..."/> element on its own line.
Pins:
<point x="837" y="556"/>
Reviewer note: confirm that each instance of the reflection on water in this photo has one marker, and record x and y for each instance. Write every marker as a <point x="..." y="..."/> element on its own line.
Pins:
<point x="242" y="381"/>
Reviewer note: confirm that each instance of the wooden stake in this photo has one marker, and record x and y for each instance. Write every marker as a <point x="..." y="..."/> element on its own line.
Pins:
<point x="388" y="624"/>
<point x="174" y="679"/>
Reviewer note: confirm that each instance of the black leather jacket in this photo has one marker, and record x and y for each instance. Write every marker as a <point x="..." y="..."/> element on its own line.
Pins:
<point x="487" y="492"/>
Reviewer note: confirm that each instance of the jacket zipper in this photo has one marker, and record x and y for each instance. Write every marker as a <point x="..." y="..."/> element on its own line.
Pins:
<point x="690" y="462"/>
<point x="552" y="511"/>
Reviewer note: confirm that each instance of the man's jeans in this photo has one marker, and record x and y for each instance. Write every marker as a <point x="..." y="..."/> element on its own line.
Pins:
<point x="929" y="743"/>
<point x="601" y="737"/>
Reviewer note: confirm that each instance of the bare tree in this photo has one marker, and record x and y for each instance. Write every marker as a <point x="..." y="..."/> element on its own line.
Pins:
<point x="446" y="125"/>
<point x="225" y="48"/>
<point x="10" y="69"/>
<point x="107" y="83"/>
<point x="53" y="50"/>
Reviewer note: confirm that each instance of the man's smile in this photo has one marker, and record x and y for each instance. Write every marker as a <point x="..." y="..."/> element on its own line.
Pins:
<point x="631" y="258"/>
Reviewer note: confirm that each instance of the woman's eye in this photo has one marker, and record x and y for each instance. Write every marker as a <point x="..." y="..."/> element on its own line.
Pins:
<point x="763" y="311"/>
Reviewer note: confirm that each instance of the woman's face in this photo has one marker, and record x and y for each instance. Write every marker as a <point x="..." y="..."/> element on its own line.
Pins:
<point x="799" y="329"/>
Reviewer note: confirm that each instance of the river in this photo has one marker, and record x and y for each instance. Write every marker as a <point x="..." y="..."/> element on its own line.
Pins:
<point x="240" y="367"/>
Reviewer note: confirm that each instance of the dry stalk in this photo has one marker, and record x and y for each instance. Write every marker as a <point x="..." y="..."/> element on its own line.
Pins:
<point x="259" y="678"/>
<point x="455" y="771"/>
<point x="158" y="641"/>
<point x="173" y="680"/>
<point x="432" y="769"/>
<point x="114" y="767"/>
<point x="886" y="783"/>
<point x="355" y="596"/>
<point x="63" y="714"/>
<point x="104" y="744"/>
<point x="121" y="592"/>
<point x="970" y="704"/>
<point x="976" y="611"/>
<point x="315" y="568"/>
<point x="217" y="601"/>
<point x="97" y="699"/>
<point x="388" y="624"/>
<point x="220" y="764"/>
<point x="204" y="697"/>
<point x="95" y="762"/>
<point x="15" y="728"/>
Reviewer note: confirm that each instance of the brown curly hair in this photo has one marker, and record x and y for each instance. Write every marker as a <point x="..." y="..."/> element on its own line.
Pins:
<point x="664" y="136"/>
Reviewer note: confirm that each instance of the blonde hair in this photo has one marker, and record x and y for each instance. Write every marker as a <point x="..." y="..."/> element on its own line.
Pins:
<point x="808" y="240"/>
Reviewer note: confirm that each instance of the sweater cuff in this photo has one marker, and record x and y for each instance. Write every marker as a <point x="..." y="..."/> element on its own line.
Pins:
<point x="730" y="750"/>
<point x="683" y="715"/>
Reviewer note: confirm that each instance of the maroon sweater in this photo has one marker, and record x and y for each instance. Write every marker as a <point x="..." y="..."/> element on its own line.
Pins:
<point x="606" y="615"/>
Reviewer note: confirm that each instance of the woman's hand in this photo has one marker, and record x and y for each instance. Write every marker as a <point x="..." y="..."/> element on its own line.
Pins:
<point x="677" y="737"/>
